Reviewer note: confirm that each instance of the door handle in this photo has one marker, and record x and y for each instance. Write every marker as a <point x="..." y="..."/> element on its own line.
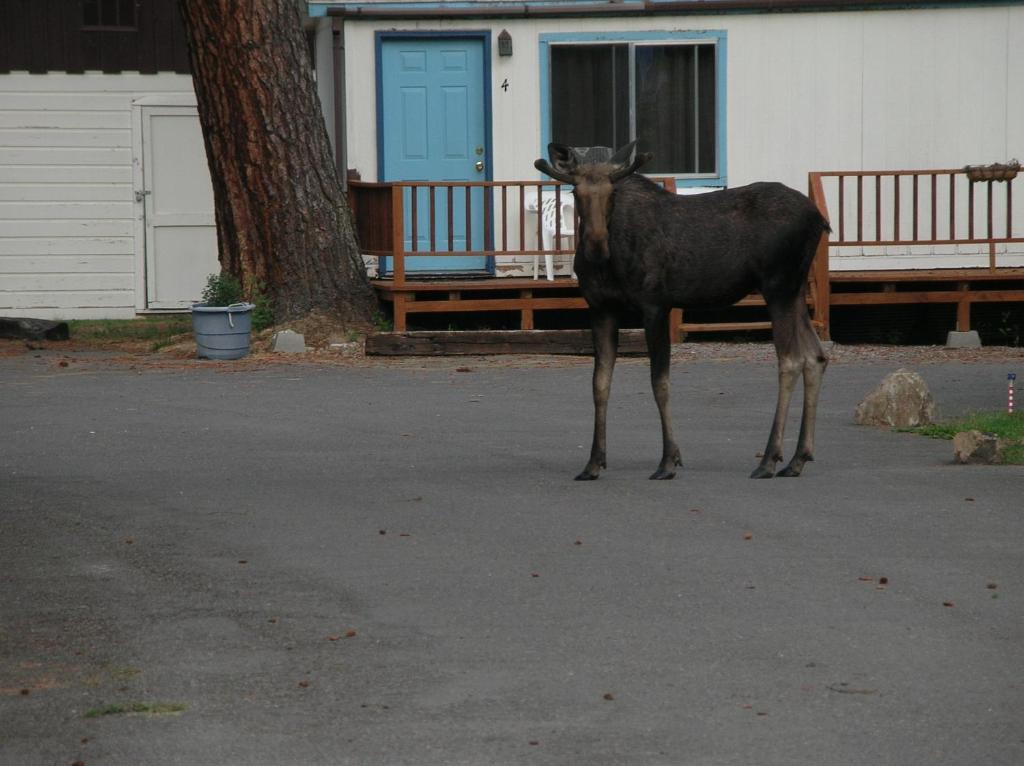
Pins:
<point x="479" y="166"/>
<point x="141" y="195"/>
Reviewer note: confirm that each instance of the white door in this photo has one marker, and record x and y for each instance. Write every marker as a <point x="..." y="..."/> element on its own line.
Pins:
<point x="181" y="234"/>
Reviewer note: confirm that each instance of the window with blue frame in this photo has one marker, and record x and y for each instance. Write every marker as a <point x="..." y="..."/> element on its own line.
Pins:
<point x="666" y="93"/>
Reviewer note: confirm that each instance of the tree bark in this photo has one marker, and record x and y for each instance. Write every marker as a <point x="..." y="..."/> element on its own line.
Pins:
<point x="282" y="217"/>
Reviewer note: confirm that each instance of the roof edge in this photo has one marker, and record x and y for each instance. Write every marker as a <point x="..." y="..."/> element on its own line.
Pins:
<point x="621" y="8"/>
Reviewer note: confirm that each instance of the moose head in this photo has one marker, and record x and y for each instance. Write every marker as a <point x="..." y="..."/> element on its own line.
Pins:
<point x="593" y="175"/>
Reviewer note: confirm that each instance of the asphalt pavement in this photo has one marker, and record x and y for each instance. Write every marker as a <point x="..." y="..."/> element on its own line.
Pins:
<point x="391" y="564"/>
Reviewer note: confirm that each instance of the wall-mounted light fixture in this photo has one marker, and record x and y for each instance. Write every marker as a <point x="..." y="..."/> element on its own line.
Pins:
<point x="504" y="43"/>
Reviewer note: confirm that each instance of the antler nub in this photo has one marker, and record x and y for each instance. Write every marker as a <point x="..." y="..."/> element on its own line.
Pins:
<point x="642" y="158"/>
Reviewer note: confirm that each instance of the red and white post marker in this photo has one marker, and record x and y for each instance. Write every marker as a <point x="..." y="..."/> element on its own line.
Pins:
<point x="1009" y="401"/>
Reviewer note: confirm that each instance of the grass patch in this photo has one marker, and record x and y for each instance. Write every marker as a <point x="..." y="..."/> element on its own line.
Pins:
<point x="1008" y="427"/>
<point x="136" y="708"/>
<point x="159" y="331"/>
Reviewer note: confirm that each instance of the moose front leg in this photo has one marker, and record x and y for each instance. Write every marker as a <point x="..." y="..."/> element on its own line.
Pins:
<point x="605" y="332"/>
<point x="659" y="350"/>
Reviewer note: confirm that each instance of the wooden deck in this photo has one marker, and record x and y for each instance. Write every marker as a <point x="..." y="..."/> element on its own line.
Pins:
<point x="872" y="211"/>
<point x="889" y="213"/>
<point x="523" y="296"/>
<point x="400" y="220"/>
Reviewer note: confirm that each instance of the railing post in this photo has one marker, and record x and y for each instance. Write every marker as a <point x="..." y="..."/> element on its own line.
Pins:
<point x="820" y="265"/>
<point x="823" y="290"/>
<point x="397" y="237"/>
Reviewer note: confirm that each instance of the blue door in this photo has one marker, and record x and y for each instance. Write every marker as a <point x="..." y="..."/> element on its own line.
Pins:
<point x="433" y="127"/>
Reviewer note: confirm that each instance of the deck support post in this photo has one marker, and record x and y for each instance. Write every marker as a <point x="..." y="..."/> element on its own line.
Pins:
<point x="526" y="313"/>
<point x="963" y="308"/>
<point x="675" y="326"/>
<point x="399" y="308"/>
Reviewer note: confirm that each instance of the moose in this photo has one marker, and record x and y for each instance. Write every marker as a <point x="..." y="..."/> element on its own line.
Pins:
<point x="643" y="250"/>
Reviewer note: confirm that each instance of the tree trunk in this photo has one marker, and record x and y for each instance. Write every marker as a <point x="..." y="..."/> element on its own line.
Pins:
<point x="282" y="218"/>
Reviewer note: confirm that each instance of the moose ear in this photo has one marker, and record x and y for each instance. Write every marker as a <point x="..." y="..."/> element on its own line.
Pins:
<point x="563" y="158"/>
<point x="563" y="163"/>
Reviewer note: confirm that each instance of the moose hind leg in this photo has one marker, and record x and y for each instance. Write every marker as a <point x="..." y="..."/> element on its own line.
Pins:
<point x="659" y="349"/>
<point x="605" y="333"/>
<point x="789" y="373"/>
<point x="787" y="348"/>
<point x="814" y="363"/>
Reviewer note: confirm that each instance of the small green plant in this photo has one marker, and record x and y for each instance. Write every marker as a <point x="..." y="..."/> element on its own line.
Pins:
<point x="222" y="289"/>
<point x="263" y="311"/>
<point x="382" y="323"/>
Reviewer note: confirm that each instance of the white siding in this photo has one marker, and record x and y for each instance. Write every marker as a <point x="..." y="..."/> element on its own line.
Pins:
<point x="868" y="90"/>
<point x="67" y="210"/>
<point x="806" y="91"/>
<point x="926" y="88"/>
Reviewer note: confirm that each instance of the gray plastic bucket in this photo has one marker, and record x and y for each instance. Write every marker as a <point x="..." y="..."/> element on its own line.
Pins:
<point x="222" y="332"/>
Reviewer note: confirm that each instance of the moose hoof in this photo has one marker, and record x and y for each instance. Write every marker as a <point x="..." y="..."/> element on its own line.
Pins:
<point x="762" y="472"/>
<point x="586" y="476"/>
<point x="662" y="475"/>
<point x="789" y="472"/>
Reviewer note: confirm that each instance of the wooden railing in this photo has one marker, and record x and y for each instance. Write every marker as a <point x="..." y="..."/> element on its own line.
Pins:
<point x="403" y="219"/>
<point x="397" y="220"/>
<point x="916" y="207"/>
<point x="918" y="236"/>
<point x="901" y="236"/>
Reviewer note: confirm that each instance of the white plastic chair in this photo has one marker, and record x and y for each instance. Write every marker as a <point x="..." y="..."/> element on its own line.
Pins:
<point x="550" y="227"/>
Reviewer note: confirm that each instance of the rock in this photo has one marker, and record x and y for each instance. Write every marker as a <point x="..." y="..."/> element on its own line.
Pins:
<point x="977" y="447"/>
<point x="969" y="339"/>
<point x="902" y="400"/>
<point x="33" y="329"/>
<point x="288" y="342"/>
<point x="347" y="349"/>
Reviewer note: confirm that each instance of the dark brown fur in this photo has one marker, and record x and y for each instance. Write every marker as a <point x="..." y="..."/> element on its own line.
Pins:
<point x="644" y="250"/>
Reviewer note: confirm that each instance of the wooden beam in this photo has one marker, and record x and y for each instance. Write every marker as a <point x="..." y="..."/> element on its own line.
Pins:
<point x="572" y="342"/>
<point x="926" y="296"/>
<point x="725" y="326"/>
<point x="927" y="275"/>
<point x="494" y="304"/>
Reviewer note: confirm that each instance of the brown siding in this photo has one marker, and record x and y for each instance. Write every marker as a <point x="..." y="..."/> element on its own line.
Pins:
<point x="47" y="36"/>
